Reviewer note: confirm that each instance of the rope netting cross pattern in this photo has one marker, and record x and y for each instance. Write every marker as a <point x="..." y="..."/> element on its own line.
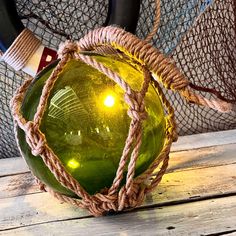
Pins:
<point x="199" y="35"/>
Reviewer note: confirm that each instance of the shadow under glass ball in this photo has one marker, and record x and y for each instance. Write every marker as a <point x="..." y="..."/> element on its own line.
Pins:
<point x="86" y="124"/>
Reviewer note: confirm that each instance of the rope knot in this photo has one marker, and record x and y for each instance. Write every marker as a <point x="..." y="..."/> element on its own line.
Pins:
<point x="66" y="48"/>
<point x="34" y="138"/>
<point x="137" y="111"/>
<point x="132" y="197"/>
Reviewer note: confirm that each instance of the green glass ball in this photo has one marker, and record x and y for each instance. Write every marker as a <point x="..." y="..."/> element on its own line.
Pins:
<point x="86" y="124"/>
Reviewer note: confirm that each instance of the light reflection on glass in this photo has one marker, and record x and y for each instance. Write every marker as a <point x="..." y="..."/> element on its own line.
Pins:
<point x="66" y="103"/>
<point x="109" y="101"/>
<point x="73" y="164"/>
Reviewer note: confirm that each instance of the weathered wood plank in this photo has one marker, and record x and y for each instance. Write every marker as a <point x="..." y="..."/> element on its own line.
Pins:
<point x="11" y="166"/>
<point x="195" y="184"/>
<point x="33" y="209"/>
<point x="176" y="186"/>
<point x="196" y="218"/>
<point x="201" y="158"/>
<point x="204" y="140"/>
<point x="17" y="185"/>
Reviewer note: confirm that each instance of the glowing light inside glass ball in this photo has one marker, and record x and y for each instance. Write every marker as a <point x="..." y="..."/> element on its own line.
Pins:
<point x="109" y="101"/>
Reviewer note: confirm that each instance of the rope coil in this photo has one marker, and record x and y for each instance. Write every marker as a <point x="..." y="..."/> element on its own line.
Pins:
<point x="21" y="50"/>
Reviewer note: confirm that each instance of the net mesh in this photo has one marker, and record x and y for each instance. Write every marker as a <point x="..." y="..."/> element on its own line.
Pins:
<point x="199" y="35"/>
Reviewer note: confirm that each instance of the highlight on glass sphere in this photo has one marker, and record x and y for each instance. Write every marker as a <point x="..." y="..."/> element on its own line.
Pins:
<point x="109" y="100"/>
<point x="86" y="124"/>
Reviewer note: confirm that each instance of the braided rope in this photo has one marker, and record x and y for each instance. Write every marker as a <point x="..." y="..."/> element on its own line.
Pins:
<point x="21" y="50"/>
<point x="156" y="21"/>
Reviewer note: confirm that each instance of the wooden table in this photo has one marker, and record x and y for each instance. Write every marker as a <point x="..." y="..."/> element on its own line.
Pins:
<point x="197" y="196"/>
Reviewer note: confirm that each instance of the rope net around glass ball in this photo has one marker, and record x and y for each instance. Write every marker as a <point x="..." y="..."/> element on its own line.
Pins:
<point x="116" y="198"/>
